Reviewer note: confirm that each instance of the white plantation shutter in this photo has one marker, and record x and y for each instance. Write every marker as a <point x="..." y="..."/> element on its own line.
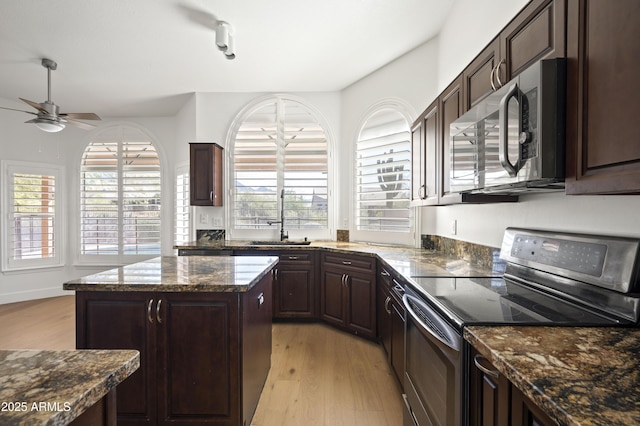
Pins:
<point x="120" y="189"/>
<point x="280" y="146"/>
<point x="383" y="173"/>
<point x="34" y="226"/>
<point x="182" y="209"/>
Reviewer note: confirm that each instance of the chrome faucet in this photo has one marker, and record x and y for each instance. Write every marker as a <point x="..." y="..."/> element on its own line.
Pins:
<point x="283" y="236"/>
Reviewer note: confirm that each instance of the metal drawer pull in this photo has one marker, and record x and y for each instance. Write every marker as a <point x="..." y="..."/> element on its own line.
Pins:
<point x="485" y="370"/>
<point x="385" y="273"/>
<point x="149" y="317"/>
<point x="158" y="311"/>
<point x="260" y="298"/>
<point x="346" y="262"/>
<point x="293" y="257"/>
<point x="386" y="305"/>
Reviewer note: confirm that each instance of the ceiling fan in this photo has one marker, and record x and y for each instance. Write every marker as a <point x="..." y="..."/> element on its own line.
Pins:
<point x="48" y="118"/>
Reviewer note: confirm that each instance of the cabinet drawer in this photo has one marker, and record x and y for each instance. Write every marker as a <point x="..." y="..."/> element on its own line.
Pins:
<point x="295" y="256"/>
<point x="360" y="262"/>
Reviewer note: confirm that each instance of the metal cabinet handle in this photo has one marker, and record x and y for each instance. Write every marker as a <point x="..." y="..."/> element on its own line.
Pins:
<point x="260" y="299"/>
<point x="492" y="77"/>
<point x="385" y="273"/>
<point x="293" y="257"/>
<point x="211" y="196"/>
<point x="346" y="280"/>
<point x="158" y="311"/>
<point x="346" y="262"/>
<point x="485" y="370"/>
<point x="386" y="305"/>
<point x="498" y="73"/>
<point x="149" y="317"/>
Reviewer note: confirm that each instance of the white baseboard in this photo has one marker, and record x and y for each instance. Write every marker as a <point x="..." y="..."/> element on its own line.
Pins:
<point x="41" y="293"/>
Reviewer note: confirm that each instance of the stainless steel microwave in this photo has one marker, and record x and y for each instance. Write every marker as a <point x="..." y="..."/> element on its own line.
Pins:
<point x="513" y="141"/>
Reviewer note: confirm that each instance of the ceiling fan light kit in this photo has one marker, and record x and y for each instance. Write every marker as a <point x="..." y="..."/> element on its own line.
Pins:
<point x="48" y="117"/>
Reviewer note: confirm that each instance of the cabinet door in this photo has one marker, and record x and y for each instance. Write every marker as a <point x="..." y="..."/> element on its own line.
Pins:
<point x="332" y="305"/>
<point x="205" y="174"/>
<point x="361" y="299"/>
<point x="537" y="32"/>
<point x="479" y="78"/>
<point x="198" y="359"/>
<point x="603" y="41"/>
<point x="123" y="321"/>
<point x="295" y="288"/>
<point x="397" y="339"/>
<point x="418" y="166"/>
<point x="451" y="102"/>
<point x="431" y="127"/>
<point x="489" y="393"/>
<point x="525" y="413"/>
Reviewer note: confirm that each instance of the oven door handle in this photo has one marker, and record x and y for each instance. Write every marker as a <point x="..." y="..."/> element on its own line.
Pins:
<point x="451" y="338"/>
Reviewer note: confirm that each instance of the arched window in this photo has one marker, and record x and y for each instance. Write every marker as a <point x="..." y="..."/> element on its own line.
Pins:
<point x="383" y="174"/>
<point x="120" y="193"/>
<point x="279" y="155"/>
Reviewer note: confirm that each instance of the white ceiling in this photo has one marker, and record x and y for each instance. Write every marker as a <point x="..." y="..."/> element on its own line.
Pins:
<point x="144" y="57"/>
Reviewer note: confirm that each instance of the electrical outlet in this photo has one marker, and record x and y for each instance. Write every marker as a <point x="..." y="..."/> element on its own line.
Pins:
<point x="217" y="221"/>
<point x="454" y="227"/>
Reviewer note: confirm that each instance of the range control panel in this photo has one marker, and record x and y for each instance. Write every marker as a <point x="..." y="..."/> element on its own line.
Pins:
<point x="577" y="256"/>
<point x="606" y="261"/>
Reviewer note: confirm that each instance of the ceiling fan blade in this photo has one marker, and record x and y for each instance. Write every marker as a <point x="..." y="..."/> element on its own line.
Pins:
<point x="81" y="115"/>
<point x="80" y="124"/>
<point x="35" y="105"/>
<point x="20" y="110"/>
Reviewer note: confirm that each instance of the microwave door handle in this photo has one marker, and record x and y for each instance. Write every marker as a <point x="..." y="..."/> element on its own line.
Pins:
<point x="503" y="134"/>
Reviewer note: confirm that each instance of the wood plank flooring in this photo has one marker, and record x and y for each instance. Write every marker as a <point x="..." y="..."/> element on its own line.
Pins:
<point x="319" y="375"/>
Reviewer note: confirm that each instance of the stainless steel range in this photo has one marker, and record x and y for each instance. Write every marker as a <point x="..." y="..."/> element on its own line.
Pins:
<point x="550" y="279"/>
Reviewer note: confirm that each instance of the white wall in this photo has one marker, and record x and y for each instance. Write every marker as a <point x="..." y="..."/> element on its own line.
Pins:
<point x="24" y="142"/>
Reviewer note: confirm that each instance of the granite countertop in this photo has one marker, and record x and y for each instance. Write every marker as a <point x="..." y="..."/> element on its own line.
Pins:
<point x="406" y="261"/>
<point x="577" y="375"/>
<point x="181" y="273"/>
<point x="40" y="387"/>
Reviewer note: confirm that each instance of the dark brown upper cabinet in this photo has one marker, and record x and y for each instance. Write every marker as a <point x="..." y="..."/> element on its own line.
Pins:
<point x="537" y="32"/>
<point x="603" y="51"/>
<point x="205" y="174"/>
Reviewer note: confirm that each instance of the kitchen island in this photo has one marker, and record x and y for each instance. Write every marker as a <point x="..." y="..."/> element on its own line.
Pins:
<point x="45" y="387"/>
<point x="203" y="329"/>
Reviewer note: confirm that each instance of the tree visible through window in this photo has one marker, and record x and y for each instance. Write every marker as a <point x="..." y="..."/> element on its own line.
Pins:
<point x="280" y="149"/>
<point x="120" y="192"/>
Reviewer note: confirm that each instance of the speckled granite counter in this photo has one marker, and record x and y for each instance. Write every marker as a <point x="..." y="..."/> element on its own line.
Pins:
<point x="190" y="273"/>
<point x="55" y="387"/>
<point x="578" y="376"/>
<point x="406" y="261"/>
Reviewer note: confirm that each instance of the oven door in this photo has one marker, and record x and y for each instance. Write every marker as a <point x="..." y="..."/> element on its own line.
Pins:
<point x="433" y="369"/>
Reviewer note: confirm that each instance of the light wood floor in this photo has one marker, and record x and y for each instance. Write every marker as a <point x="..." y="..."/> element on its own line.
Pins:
<point x="319" y="375"/>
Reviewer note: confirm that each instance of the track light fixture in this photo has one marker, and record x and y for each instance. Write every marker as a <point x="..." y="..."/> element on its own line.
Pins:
<point x="224" y="40"/>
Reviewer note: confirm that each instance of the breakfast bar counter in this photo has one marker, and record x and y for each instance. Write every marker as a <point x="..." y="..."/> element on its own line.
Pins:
<point x="45" y="387"/>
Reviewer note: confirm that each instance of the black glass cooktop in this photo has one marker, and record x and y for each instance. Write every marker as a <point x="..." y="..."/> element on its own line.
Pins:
<point x="497" y="301"/>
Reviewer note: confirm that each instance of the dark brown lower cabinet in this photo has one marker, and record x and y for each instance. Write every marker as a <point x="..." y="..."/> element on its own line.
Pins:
<point x="294" y="292"/>
<point x="495" y="401"/>
<point x="204" y="357"/>
<point x="391" y="322"/>
<point x="525" y="412"/>
<point x="489" y="393"/>
<point x="102" y="413"/>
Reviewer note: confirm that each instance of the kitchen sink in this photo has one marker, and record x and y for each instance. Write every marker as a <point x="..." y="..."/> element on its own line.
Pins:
<point x="280" y="243"/>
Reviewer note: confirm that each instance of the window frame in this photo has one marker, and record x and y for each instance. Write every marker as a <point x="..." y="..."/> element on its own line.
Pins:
<point x="274" y="232"/>
<point x="165" y="214"/>
<point x="385" y="237"/>
<point x="8" y="167"/>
